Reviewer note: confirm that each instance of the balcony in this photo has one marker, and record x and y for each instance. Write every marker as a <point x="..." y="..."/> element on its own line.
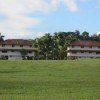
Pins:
<point x="85" y="48"/>
<point x="9" y="47"/>
<point x="83" y="54"/>
<point x="18" y="54"/>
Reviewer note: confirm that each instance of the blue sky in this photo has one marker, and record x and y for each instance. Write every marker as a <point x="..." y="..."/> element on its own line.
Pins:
<point x="33" y="18"/>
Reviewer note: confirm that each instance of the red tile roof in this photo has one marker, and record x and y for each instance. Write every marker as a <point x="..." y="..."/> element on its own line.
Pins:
<point x="16" y="42"/>
<point x="85" y="43"/>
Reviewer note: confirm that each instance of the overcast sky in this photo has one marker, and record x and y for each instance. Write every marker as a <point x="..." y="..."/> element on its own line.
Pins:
<point x="33" y="18"/>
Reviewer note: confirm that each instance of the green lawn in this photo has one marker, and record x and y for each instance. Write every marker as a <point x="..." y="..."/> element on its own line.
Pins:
<point x="50" y="80"/>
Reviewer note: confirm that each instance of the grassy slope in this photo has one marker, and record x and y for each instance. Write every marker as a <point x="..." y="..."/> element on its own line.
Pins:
<point x="50" y="80"/>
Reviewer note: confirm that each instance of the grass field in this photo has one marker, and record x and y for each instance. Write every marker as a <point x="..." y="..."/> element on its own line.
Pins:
<point x="50" y="80"/>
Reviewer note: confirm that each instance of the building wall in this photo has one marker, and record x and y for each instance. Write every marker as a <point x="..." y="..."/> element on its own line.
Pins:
<point x="14" y="52"/>
<point x="86" y="52"/>
<point x="85" y="48"/>
<point x="16" y="47"/>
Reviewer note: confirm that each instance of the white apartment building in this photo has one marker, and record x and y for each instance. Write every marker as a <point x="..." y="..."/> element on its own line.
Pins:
<point x="10" y="49"/>
<point x="83" y="49"/>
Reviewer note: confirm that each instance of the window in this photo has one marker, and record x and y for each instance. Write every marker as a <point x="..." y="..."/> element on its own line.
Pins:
<point x="30" y="45"/>
<point x="13" y="45"/>
<point x="90" y="46"/>
<point x="82" y="51"/>
<point x="98" y="46"/>
<point x="4" y="51"/>
<point x="30" y="52"/>
<point x="21" y="45"/>
<point x="74" y="52"/>
<point x="90" y="52"/>
<point x="82" y="46"/>
<point x="12" y="51"/>
<point x="3" y="45"/>
<point x="97" y="52"/>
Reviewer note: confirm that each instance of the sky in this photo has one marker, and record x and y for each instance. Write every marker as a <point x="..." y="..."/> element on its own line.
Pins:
<point x="30" y="19"/>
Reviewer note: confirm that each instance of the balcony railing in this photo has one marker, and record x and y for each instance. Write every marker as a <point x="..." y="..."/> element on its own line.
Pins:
<point x="14" y="54"/>
<point x="83" y="55"/>
<point x="90" y="49"/>
<point x="16" y="48"/>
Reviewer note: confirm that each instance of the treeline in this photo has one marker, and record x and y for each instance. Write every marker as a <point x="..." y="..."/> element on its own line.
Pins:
<point x="54" y="46"/>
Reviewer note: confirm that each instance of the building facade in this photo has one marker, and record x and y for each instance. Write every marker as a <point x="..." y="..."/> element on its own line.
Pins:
<point x="11" y="49"/>
<point x="83" y="49"/>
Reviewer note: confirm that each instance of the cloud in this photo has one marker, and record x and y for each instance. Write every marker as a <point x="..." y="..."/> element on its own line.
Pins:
<point x="40" y="34"/>
<point x="85" y="0"/>
<point x="71" y="4"/>
<point x="15" y="19"/>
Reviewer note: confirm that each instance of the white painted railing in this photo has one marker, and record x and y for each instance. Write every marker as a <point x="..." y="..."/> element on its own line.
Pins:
<point x="15" y="54"/>
<point x="90" y="49"/>
<point x="83" y="55"/>
<point x="16" y="48"/>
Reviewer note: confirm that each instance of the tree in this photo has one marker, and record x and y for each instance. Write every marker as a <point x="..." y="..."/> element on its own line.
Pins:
<point x="23" y="53"/>
<point x="71" y="37"/>
<point x="54" y="46"/>
<point x="99" y="37"/>
<point x="77" y="32"/>
<point x="94" y="37"/>
<point x="47" y="44"/>
<point x="85" y="35"/>
<point x="1" y="37"/>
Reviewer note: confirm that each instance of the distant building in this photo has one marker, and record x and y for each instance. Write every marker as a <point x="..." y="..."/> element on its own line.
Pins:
<point x="83" y="49"/>
<point x="11" y="49"/>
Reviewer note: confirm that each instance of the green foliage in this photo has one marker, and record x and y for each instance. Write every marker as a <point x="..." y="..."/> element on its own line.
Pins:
<point x="54" y="46"/>
<point x="1" y="37"/>
<point x="23" y="53"/>
<point x="50" y="80"/>
<point x="85" y="35"/>
<point x="3" y="58"/>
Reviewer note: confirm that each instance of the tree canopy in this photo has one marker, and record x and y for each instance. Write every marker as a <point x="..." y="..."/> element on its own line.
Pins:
<point x="54" y="46"/>
<point x="1" y="37"/>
